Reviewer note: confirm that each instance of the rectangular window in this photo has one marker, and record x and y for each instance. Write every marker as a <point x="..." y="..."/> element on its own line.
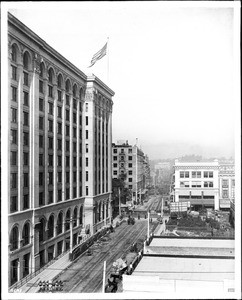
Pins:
<point x="14" y="72"/>
<point x="26" y="158"/>
<point x="115" y="158"/>
<point x="196" y="184"/>
<point x="210" y="174"/>
<point x="67" y="100"/>
<point x="184" y="174"/>
<point x="130" y="187"/>
<point x="50" y="142"/>
<point x="26" y="180"/>
<point x="86" y="148"/>
<point x="59" y="112"/>
<point x="50" y="160"/>
<point x="67" y="177"/>
<point x="13" y="180"/>
<point x="41" y="86"/>
<point x="130" y="157"/>
<point x="13" y="204"/>
<point x="26" y="98"/>
<point x="13" y="158"/>
<point x="67" y="161"/>
<point x="86" y="175"/>
<point x="41" y="178"/>
<point x="74" y="176"/>
<point x="87" y="134"/>
<point x="225" y="194"/>
<point x="68" y="146"/>
<point x="50" y="125"/>
<point x="210" y="184"/>
<point x="50" y="89"/>
<point x="41" y="104"/>
<point x="59" y="195"/>
<point x="26" y="138"/>
<point x="59" y="176"/>
<point x="41" y="198"/>
<point x="86" y="121"/>
<point x="74" y="147"/>
<point x="50" y="198"/>
<point x="225" y="183"/>
<point x="50" y="106"/>
<point x="14" y="93"/>
<point x="74" y="118"/>
<point x="115" y="150"/>
<point x="74" y="104"/>
<point x="67" y="193"/>
<point x="67" y="130"/>
<point x="130" y="165"/>
<point x="115" y="172"/>
<point x="130" y="151"/>
<point x="41" y="141"/>
<point x="14" y="136"/>
<point x="50" y="178"/>
<point x="130" y="172"/>
<point x="41" y="159"/>
<point x="86" y="161"/>
<point x="74" y="161"/>
<point x="115" y="165"/>
<point x="59" y="144"/>
<point x="86" y="190"/>
<point x="86" y="107"/>
<point x="59" y="160"/>
<point x="233" y="182"/>
<point x="74" y="132"/>
<point x="26" y="202"/>
<point x="59" y="95"/>
<point x="14" y="115"/>
<point x="130" y="179"/>
<point x="67" y="115"/>
<point x="41" y="123"/>
<point x="26" y="118"/>
<point x="59" y="128"/>
<point x="26" y="78"/>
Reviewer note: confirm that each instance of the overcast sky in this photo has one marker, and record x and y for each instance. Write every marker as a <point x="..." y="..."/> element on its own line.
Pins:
<point x="171" y="68"/>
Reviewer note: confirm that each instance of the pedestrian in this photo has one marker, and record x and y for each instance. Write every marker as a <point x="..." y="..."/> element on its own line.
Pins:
<point x="40" y="286"/>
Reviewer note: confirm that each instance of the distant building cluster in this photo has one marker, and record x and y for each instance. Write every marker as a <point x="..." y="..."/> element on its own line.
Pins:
<point x="130" y="164"/>
<point x="209" y="184"/>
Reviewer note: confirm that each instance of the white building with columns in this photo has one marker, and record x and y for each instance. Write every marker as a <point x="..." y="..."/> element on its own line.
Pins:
<point x="60" y="133"/>
<point x="197" y="182"/>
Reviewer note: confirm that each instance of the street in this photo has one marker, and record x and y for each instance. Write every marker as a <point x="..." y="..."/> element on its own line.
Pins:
<point x="85" y="275"/>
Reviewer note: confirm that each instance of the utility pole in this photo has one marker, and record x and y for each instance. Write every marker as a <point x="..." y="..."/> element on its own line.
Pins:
<point x="104" y="275"/>
<point x="148" y="230"/>
<point x="119" y="201"/>
<point x="136" y="168"/>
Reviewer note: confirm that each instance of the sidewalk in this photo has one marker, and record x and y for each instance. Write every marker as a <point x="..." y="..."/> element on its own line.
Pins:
<point x="52" y="271"/>
<point x="48" y="274"/>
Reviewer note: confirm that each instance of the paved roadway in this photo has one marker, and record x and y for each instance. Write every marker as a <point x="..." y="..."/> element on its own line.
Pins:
<point x="86" y="274"/>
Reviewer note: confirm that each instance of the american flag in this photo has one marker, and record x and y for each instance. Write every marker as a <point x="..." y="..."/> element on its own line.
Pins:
<point x="101" y="53"/>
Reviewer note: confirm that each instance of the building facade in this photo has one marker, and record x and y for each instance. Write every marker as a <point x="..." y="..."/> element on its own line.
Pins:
<point x="60" y="132"/>
<point x="130" y="163"/>
<point x="197" y="182"/>
<point x="226" y="184"/>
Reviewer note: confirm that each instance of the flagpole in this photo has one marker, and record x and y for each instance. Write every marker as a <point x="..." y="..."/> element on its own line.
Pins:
<point x="108" y="61"/>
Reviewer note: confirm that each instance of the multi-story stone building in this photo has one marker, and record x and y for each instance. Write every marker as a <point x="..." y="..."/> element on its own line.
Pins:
<point x="60" y="133"/>
<point x="197" y="182"/>
<point x="130" y="163"/>
<point x="226" y="184"/>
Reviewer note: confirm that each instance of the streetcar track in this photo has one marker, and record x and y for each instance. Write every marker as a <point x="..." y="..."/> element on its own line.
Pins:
<point x="97" y="277"/>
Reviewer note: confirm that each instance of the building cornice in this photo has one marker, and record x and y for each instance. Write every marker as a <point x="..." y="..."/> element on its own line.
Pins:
<point x="95" y="80"/>
<point x="43" y="45"/>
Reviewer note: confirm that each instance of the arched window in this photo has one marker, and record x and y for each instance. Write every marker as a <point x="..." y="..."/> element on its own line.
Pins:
<point x="81" y="216"/>
<point x="75" y="217"/>
<point x="59" y="223"/>
<point x="50" y="76"/>
<point x="59" y="81"/>
<point x="26" y="61"/>
<point x="51" y="227"/>
<point x="26" y="234"/>
<point x="42" y="68"/>
<point x="14" y="53"/>
<point x="14" y="238"/>
<point x="74" y="90"/>
<point x="42" y="230"/>
<point x="68" y="216"/>
<point x="81" y="94"/>
<point x="68" y="85"/>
